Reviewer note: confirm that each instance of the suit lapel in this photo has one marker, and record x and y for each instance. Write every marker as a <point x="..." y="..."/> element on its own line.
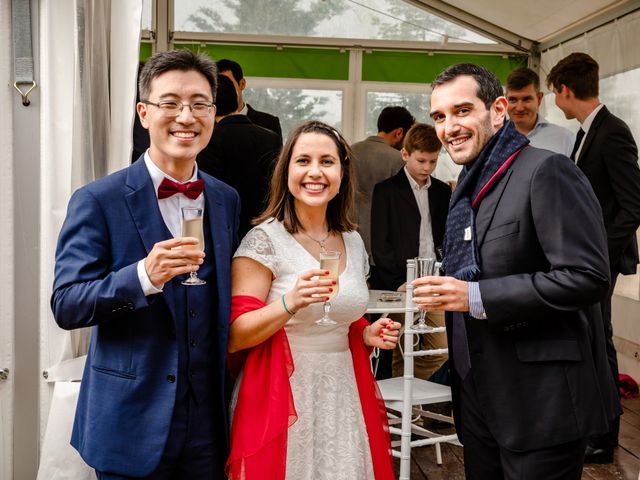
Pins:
<point x="488" y="206"/>
<point x="219" y="228"/>
<point x="405" y="192"/>
<point x="143" y="206"/>
<point x="593" y="129"/>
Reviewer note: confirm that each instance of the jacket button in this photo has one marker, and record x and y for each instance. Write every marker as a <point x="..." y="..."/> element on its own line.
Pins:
<point x="171" y="378"/>
<point x="192" y="313"/>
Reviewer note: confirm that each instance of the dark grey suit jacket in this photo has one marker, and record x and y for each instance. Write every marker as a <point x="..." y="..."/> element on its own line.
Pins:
<point x="538" y="361"/>
<point x="609" y="159"/>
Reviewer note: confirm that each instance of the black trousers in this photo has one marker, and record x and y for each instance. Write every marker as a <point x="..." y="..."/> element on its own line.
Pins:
<point x="484" y="459"/>
<point x="609" y="440"/>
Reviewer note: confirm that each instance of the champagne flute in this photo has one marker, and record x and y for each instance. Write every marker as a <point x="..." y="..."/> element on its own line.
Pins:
<point x="330" y="261"/>
<point x="192" y="226"/>
<point x="425" y="267"/>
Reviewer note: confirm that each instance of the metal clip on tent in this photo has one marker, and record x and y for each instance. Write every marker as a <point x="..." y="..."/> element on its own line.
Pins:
<point x="22" y="51"/>
<point x="25" y="95"/>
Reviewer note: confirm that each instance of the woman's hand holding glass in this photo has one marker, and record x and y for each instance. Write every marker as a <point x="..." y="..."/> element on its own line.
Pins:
<point x="382" y="333"/>
<point x="310" y="288"/>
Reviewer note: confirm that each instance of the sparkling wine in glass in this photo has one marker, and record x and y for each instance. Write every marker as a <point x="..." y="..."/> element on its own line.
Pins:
<point x="329" y="261"/>
<point x="192" y="226"/>
<point x="425" y="267"/>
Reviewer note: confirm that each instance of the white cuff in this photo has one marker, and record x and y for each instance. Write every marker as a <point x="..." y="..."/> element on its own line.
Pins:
<point x="147" y="287"/>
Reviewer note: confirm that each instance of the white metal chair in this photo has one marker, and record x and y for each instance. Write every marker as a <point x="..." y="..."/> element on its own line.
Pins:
<point x="396" y="390"/>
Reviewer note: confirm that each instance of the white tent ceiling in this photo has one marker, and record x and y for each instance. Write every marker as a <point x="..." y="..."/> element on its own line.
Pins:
<point x="527" y="25"/>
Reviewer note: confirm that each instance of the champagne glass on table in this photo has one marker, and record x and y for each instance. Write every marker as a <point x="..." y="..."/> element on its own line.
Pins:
<point x="425" y="267"/>
<point x="329" y="261"/>
<point x="192" y="226"/>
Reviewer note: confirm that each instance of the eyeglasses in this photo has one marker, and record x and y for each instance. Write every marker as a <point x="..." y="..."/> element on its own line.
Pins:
<point x="173" y="109"/>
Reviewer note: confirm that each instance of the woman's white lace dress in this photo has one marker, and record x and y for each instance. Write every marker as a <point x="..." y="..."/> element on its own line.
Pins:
<point x="329" y="440"/>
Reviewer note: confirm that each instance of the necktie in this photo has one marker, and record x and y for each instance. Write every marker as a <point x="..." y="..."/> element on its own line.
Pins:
<point x="460" y="346"/>
<point x="191" y="189"/>
<point x="579" y="137"/>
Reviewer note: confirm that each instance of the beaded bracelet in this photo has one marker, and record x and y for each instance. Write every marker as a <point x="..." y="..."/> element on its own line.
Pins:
<point x="285" y="307"/>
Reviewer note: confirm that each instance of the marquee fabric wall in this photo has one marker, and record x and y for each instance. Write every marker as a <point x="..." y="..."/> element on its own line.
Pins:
<point x="89" y="51"/>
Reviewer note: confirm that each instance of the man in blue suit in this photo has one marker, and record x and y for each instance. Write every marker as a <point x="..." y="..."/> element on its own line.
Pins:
<point x="152" y="403"/>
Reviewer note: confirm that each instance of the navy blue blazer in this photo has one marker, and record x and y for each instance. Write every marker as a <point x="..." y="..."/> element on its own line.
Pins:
<point x="129" y="383"/>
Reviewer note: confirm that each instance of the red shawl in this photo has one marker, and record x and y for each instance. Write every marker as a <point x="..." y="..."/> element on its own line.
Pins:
<point x="265" y="410"/>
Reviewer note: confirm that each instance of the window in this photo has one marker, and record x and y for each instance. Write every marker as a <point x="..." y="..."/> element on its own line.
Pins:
<point x="342" y="82"/>
<point x="416" y="103"/>
<point x="296" y="105"/>
<point x="362" y="19"/>
<point x="147" y="24"/>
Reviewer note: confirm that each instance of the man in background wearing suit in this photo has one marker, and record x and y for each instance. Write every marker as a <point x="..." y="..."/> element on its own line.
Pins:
<point x="240" y="154"/>
<point x="377" y="158"/>
<point x="607" y="154"/>
<point x="408" y="216"/>
<point x="233" y="70"/>
<point x="152" y="401"/>
<point x="525" y="263"/>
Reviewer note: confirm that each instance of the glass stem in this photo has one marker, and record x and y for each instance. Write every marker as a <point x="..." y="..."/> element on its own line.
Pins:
<point x="327" y="308"/>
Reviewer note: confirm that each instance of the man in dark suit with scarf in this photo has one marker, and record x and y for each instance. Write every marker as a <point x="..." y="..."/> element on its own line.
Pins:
<point x="525" y="264"/>
<point x="607" y="154"/>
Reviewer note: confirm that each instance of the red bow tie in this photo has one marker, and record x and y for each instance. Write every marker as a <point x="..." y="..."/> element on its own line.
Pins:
<point x="191" y="189"/>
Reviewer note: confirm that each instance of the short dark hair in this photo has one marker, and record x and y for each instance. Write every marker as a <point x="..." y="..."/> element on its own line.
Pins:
<point x="226" y="65"/>
<point x="181" y="59"/>
<point x="281" y="202"/>
<point x="422" y="138"/>
<point x="523" y="77"/>
<point x="391" y="118"/>
<point x="577" y="71"/>
<point x="489" y="87"/>
<point x="226" y="96"/>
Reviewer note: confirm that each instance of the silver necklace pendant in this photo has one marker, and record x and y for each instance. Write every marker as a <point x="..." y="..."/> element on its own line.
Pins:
<point x="319" y="242"/>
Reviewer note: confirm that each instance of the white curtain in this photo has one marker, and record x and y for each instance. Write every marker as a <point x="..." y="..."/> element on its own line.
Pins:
<point x="89" y="59"/>
<point x="7" y="99"/>
<point x="614" y="46"/>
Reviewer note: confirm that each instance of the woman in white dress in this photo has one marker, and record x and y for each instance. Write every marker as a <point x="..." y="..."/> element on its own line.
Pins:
<point x="305" y="405"/>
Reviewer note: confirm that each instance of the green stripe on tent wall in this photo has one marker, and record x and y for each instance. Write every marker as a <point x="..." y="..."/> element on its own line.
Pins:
<point x="418" y="67"/>
<point x="289" y="62"/>
<point x="146" y="50"/>
<point x="330" y="64"/>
